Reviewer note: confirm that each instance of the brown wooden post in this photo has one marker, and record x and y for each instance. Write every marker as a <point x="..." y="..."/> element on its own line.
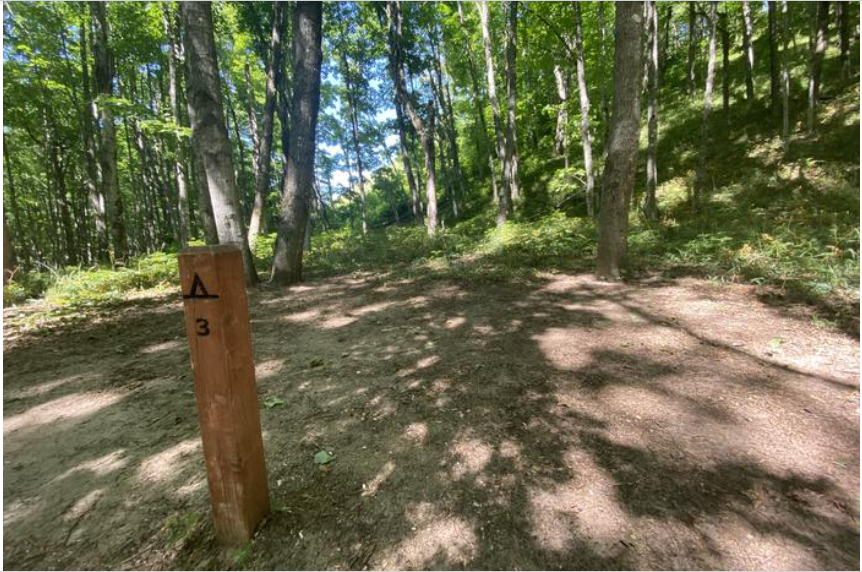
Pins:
<point x="217" y="325"/>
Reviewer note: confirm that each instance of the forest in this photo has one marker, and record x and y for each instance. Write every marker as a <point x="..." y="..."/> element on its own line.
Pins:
<point x="530" y="284"/>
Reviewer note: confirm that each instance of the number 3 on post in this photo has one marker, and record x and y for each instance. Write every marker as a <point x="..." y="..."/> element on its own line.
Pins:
<point x="203" y="327"/>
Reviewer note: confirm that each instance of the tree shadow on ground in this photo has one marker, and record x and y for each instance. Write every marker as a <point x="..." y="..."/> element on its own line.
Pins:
<point x="560" y="423"/>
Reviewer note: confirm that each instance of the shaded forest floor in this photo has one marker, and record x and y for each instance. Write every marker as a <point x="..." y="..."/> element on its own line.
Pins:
<point x="549" y="422"/>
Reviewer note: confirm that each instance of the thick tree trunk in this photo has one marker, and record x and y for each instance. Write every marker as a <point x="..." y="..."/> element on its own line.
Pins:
<point x="257" y="225"/>
<point x="774" y="82"/>
<point x="174" y="58"/>
<point x="505" y="197"/>
<point x="692" y="45"/>
<point x="104" y="77"/>
<point x="619" y="173"/>
<point x="748" y="51"/>
<point x="561" y="140"/>
<point x="650" y="205"/>
<point x="700" y="176"/>
<point x="210" y="133"/>
<point x="426" y="133"/>
<point x="298" y="189"/>
<point x="818" y="51"/>
<point x="512" y="100"/>
<point x="583" y="95"/>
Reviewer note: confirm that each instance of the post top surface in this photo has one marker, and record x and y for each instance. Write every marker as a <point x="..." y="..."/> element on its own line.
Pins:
<point x="209" y="249"/>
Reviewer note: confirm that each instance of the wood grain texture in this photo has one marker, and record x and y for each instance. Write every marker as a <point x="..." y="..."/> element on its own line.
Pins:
<point x="225" y="388"/>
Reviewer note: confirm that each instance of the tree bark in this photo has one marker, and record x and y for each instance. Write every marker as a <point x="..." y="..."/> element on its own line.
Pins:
<point x="353" y="117"/>
<point x="104" y="78"/>
<point x="748" y="51"/>
<point x="93" y="181"/>
<point x="818" y="51"/>
<point x="843" y="25"/>
<point x="416" y="203"/>
<point x="619" y="173"/>
<point x="257" y="224"/>
<point x="505" y="197"/>
<point x="208" y="125"/>
<point x="700" y="176"/>
<point x="426" y="133"/>
<point x="298" y="188"/>
<point x="650" y="205"/>
<point x="512" y="100"/>
<point x="561" y="140"/>
<point x="479" y="102"/>
<point x="8" y="254"/>
<point x="174" y="58"/>
<point x="692" y="45"/>
<point x="774" y="82"/>
<point x="725" y="68"/>
<point x="785" y="78"/>
<point x="583" y="95"/>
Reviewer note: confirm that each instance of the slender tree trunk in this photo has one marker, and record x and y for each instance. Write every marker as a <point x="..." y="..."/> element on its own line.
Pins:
<point x="785" y="78"/>
<point x="425" y="132"/>
<point x="700" y="176"/>
<point x="208" y="126"/>
<point x="104" y="78"/>
<point x="252" y="121"/>
<point x="843" y="25"/>
<point x="512" y="100"/>
<point x="774" y="82"/>
<point x="416" y="203"/>
<point x="93" y="181"/>
<point x="479" y="102"/>
<point x="650" y="205"/>
<point x="584" y="97"/>
<point x="179" y="170"/>
<point x="619" y="174"/>
<point x="257" y="224"/>
<point x="692" y="45"/>
<point x="12" y="194"/>
<point x="298" y="188"/>
<point x="561" y="140"/>
<point x="818" y="51"/>
<point x="505" y="196"/>
<point x="725" y="69"/>
<point x="748" y="51"/>
<point x="353" y="116"/>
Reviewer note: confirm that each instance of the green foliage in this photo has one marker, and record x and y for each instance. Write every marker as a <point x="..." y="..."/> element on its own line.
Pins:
<point x="83" y="287"/>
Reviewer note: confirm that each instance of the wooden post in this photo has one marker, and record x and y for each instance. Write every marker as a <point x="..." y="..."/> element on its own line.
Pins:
<point x="217" y="325"/>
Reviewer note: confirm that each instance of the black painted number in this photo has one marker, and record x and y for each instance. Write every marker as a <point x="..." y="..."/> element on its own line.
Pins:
<point x="203" y="327"/>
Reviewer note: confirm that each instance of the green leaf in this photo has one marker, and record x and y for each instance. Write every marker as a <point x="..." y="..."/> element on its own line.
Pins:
<point x="323" y="458"/>
<point x="776" y="342"/>
<point x="272" y="402"/>
<point x="318" y="362"/>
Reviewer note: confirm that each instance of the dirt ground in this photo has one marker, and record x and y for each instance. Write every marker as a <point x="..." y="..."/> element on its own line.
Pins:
<point x="562" y="423"/>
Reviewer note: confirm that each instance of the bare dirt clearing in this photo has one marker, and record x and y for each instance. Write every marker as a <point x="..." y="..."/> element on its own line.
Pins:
<point x="559" y="423"/>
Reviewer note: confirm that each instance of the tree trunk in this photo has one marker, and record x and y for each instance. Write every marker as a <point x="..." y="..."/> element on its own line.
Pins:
<point x="692" y="45"/>
<point x="619" y="173"/>
<point x="748" y="51"/>
<point x="426" y="133"/>
<point x="298" y="188"/>
<point x="173" y="91"/>
<point x="512" y="100"/>
<point x="93" y="181"/>
<point x="479" y="102"/>
<point x="774" y="82"/>
<point x="257" y="225"/>
<point x="818" y="51"/>
<point x="104" y="77"/>
<point x="561" y="141"/>
<point x="585" y="112"/>
<point x="210" y="133"/>
<point x="725" y="69"/>
<point x="650" y="205"/>
<point x="353" y="116"/>
<point x="8" y="254"/>
<point x="843" y="25"/>
<point x="505" y="196"/>
<point x="252" y="121"/>
<point x="785" y="78"/>
<point x="700" y="176"/>
<point x="405" y="160"/>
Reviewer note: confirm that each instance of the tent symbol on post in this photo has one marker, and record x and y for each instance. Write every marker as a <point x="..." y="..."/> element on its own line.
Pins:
<point x="198" y="289"/>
